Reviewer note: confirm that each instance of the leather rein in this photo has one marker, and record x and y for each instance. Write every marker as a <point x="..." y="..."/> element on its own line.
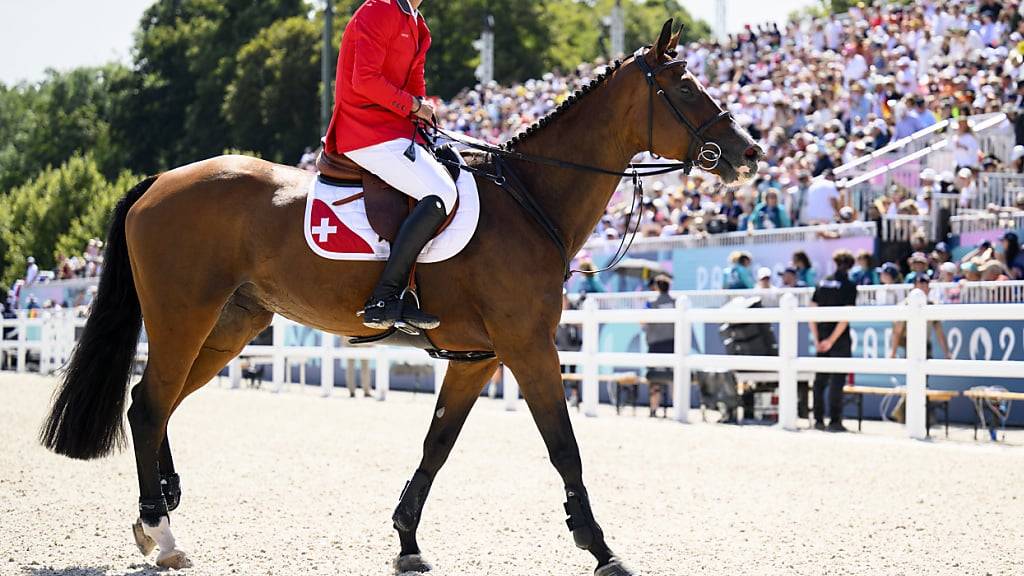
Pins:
<point x="708" y="154"/>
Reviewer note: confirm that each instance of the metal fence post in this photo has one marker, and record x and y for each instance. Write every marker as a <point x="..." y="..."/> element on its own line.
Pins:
<point x="327" y="365"/>
<point x="382" y="373"/>
<point x="510" y="389"/>
<point x="235" y="372"/>
<point x="788" y="352"/>
<point x="440" y="371"/>
<point x="681" y="376"/>
<point x="277" y="373"/>
<point x="22" y="350"/>
<point x="590" y="389"/>
<point x="917" y="353"/>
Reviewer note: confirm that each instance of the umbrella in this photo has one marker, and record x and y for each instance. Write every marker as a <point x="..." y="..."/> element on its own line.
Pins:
<point x="640" y="268"/>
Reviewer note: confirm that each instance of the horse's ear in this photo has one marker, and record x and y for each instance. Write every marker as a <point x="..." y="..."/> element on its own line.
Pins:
<point x="663" y="41"/>
<point x="673" y="42"/>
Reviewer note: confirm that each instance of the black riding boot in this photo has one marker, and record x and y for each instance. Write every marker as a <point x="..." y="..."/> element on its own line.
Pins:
<point x="385" y="308"/>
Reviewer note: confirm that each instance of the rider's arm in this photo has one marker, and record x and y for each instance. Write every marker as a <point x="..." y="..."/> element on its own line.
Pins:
<point x="376" y="28"/>
<point x="417" y="82"/>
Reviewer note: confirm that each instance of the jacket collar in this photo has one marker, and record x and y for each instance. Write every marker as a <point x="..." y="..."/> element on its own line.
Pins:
<point x="405" y="6"/>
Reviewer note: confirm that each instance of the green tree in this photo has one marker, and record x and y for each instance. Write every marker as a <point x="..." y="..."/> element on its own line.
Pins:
<point x="67" y="113"/>
<point x="185" y="58"/>
<point x="272" y="103"/>
<point x="57" y="211"/>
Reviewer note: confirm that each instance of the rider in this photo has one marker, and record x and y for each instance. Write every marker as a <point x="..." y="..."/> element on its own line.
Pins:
<point x="379" y="96"/>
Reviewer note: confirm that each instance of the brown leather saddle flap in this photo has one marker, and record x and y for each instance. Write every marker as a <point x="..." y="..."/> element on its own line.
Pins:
<point x="386" y="207"/>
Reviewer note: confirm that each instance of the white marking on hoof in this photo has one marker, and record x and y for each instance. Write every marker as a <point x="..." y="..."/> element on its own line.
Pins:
<point x="411" y="565"/>
<point x="145" y="543"/>
<point x="614" y="568"/>
<point x="170" y="556"/>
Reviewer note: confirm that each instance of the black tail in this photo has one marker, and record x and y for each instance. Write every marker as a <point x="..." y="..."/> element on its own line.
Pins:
<point x="88" y="409"/>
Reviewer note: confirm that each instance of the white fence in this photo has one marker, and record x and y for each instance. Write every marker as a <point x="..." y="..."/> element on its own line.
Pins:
<point x="743" y="238"/>
<point x="1007" y="292"/>
<point x="58" y="338"/>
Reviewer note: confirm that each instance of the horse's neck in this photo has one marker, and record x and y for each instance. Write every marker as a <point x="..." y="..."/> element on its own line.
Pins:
<point x="589" y="133"/>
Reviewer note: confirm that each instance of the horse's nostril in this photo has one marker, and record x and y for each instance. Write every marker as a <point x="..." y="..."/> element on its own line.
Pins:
<point x="751" y="152"/>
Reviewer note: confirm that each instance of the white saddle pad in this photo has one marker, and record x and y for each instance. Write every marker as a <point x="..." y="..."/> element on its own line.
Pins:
<point x="344" y="233"/>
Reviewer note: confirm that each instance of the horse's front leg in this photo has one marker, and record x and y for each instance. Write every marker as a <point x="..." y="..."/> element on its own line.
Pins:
<point x="537" y="369"/>
<point x="462" y="386"/>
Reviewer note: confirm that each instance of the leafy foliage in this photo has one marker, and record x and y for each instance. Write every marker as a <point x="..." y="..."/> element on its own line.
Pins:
<point x="272" y="103"/>
<point x="56" y="213"/>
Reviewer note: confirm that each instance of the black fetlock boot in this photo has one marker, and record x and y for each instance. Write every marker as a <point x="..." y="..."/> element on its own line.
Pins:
<point x="386" y="307"/>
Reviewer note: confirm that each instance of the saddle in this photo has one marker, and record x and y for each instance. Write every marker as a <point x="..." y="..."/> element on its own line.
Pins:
<point x="386" y="207"/>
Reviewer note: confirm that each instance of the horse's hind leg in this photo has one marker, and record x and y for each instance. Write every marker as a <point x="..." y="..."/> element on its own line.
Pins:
<point x="241" y="320"/>
<point x="176" y="332"/>
<point x="462" y="385"/>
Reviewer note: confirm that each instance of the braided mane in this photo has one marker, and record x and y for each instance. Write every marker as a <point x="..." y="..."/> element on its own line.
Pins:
<point x="564" y="106"/>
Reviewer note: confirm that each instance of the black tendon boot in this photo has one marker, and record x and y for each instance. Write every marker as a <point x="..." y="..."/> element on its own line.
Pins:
<point x="386" y="308"/>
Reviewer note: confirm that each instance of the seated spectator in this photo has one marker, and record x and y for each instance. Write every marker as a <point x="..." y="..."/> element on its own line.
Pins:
<point x="971" y="272"/>
<point x="864" y="272"/>
<point x="948" y="272"/>
<point x="737" y="276"/>
<point x="591" y="283"/>
<point x="770" y="214"/>
<point x="993" y="271"/>
<point x="805" y="274"/>
<point x="941" y="254"/>
<point x="1011" y="257"/>
<point x="789" y="277"/>
<point x="764" y="278"/>
<point x="918" y="263"/>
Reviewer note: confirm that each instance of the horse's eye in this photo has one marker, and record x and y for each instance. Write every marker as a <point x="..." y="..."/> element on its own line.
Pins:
<point x="686" y="92"/>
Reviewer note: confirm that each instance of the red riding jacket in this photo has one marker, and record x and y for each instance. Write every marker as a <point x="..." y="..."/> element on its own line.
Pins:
<point x="380" y="70"/>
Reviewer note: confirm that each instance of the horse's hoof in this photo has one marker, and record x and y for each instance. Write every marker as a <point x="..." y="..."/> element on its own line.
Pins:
<point x="614" y="568"/>
<point x="174" y="559"/>
<point x="411" y="565"/>
<point x="142" y="540"/>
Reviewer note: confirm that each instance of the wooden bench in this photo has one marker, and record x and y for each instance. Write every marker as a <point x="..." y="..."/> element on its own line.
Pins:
<point x="981" y="395"/>
<point x="932" y="397"/>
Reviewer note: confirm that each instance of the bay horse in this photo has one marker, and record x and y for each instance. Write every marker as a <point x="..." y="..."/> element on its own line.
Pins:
<point x="207" y="253"/>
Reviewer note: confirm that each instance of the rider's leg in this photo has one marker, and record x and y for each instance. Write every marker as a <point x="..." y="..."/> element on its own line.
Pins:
<point x="426" y="180"/>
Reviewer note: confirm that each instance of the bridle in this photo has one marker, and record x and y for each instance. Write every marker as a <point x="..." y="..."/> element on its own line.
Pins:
<point x="709" y="153"/>
<point x="707" y="156"/>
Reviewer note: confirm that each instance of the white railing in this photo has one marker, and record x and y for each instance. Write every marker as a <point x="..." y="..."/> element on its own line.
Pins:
<point x="866" y="186"/>
<point x="57" y="340"/>
<point x="743" y="238"/>
<point x="903" y="227"/>
<point x="997" y="188"/>
<point x="916" y="313"/>
<point x="1006" y="292"/>
<point x="985" y="221"/>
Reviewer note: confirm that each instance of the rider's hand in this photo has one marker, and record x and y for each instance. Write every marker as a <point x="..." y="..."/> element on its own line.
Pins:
<point x="426" y="111"/>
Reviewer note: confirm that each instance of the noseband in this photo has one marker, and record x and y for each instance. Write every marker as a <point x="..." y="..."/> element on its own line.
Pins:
<point x="703" y="153"/>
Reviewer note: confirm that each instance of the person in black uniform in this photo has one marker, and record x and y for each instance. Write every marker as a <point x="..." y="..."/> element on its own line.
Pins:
<point x="833" y="340"/>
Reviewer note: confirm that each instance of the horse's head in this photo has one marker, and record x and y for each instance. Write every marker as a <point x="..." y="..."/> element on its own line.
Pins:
<point x="674" y="116"/>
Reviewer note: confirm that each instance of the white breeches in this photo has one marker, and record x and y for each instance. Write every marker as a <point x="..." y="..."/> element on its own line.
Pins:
<point x="424" y="177"/>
